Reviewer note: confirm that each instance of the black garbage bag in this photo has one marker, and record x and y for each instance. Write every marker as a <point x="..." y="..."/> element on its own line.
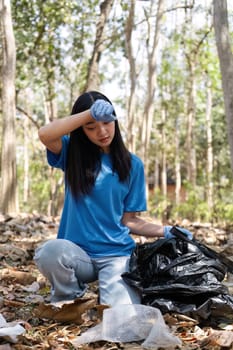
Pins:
<point x="182" y="276"/>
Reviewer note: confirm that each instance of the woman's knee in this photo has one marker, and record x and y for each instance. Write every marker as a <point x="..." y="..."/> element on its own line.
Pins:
<point x="62" y="254"/>
<point x="49" y="252"/>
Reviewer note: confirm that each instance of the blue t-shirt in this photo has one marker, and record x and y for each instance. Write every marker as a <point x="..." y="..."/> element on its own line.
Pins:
<point x="93" y="221"/>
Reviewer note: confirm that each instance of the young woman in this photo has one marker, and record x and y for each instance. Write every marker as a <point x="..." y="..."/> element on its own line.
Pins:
<point x="104" y="191"/>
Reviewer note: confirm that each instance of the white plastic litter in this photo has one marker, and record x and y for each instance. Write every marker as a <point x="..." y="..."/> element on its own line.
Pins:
<point x="127" y="323"/>
<point x="10" y="330"/>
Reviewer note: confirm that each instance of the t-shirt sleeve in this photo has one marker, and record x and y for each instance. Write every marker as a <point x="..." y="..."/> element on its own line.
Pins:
<point x="135" y="200"/>
<point x="59" y="160"/>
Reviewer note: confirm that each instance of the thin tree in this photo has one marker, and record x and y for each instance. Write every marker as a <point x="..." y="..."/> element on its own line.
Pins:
<point x="152" y="53"/>
<point x="8" y="158"/>
<point x="208" y="116"/>
<point x="131" y="103"/>
<point x="177" y="162"/>
<point x="223" y="42"/>
<point x="93" y="67"/>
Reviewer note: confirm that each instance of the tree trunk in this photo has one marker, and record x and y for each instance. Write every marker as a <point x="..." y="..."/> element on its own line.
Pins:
<point x="131" y="136"/>
<point x="192" y="48"/>
<point x="223" y="41"/>
<point x="164" y="156"/>
<point x="191" y="154"/>
<point x="25" y="161"/>
<point x="93" y="69"/>
<point x="177" y="165"/>
<point x="51" y="114"/>
<point x="50" y="97"/>
<point x="9" y="203"/>
<point x="209" y="147"/>
<point x="151" y="83"/>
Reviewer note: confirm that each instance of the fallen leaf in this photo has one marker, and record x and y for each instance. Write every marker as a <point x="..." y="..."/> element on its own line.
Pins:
<point x="20" y="277"/>
<point x="70" y="312"/>
<point x="12" y="252"/>
<point x="226" y="327"/>
<point x="13" y="303"/>
<point x="179" y="320"/>
<point x="221" y="338"/>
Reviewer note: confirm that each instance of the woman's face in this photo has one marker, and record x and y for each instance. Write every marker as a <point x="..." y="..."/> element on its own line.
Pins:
<point x="100" y="133"/>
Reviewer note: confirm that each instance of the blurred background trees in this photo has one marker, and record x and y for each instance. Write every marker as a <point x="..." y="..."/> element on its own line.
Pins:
<point x="158" y="62"/>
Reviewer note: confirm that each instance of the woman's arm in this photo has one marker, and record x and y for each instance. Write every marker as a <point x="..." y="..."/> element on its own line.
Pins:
<point x="138" y="226"/>
<point x="50" y="134"/>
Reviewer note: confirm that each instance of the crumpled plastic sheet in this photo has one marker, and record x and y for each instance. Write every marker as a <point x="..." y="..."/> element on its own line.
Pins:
<point x="10" y="330"/>
<point x="128" y="323"/>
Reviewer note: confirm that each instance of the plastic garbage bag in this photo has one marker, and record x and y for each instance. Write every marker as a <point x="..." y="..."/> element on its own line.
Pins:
<point x="10" y="330"/>
<point x="127" y="323"/>
<point x="176" y="275"/>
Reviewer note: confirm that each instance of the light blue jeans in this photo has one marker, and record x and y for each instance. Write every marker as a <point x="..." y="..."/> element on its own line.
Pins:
<point x="69" y="270"/>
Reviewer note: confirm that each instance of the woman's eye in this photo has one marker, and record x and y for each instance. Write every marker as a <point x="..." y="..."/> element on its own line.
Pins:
<point x="90" y="128"/>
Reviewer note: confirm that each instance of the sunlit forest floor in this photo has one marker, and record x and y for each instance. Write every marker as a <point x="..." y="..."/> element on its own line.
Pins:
<point x="24" y="297"/>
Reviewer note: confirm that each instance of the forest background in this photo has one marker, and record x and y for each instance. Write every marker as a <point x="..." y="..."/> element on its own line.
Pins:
<point x="159" y="64"/>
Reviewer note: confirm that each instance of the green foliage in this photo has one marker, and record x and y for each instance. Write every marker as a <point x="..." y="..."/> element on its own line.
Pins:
<point x="54" y="41"/>
<point x="224" y="211"/>
<point x="159" y="205"/>
<point x="193" y="209"/>
<point x="51" y="38"/>
<point x="39" y="186"/>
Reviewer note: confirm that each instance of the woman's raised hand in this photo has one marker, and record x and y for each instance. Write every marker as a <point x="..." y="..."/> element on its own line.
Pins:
<point x="102" y="111"/>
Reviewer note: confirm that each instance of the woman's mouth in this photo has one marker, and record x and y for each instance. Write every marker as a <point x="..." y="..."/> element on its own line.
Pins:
<point x="105" y="139"/>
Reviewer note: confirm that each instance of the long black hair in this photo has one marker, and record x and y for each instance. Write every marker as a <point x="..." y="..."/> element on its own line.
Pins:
<point x="83" y="161"/>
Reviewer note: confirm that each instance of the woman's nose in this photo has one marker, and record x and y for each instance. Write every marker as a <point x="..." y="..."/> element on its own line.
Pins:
<point x="101" y="128"/>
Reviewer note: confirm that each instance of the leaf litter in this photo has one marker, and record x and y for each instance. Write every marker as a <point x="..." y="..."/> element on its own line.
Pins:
<point x="24" y="296"/>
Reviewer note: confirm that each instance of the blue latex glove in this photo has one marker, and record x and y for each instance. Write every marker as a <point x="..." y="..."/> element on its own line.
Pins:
<point x="102" y="111"/>
<point x="168" y="234"/>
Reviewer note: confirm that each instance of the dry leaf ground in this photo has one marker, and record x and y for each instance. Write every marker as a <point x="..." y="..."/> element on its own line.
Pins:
<point x="24" y="294"/>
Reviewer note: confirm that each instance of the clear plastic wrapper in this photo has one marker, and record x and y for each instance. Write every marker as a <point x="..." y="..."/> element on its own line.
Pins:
<point x="128" y="323"/>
